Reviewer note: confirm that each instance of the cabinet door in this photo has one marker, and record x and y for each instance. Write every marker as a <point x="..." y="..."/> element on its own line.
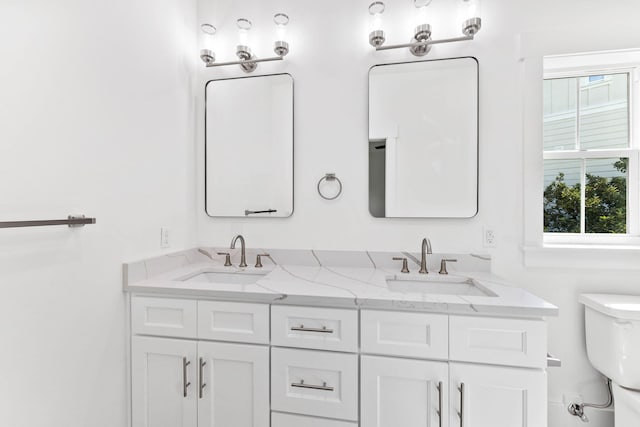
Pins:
<point x="497" y="396"/>
<point x="163" y="378"/>
<point x="403" y="392"/>
<point x="233" y="388"/>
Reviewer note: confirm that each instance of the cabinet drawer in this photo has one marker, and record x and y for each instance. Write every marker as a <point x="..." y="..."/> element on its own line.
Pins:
<point x="423" y="335"/>
<point x="163" y="316"/>
<point x="233" y="321"/>
<point x="512" y="342"/>
<point x="290" y="420"/>
<point x="312" y="327"/>
<point x="314" y="383"/>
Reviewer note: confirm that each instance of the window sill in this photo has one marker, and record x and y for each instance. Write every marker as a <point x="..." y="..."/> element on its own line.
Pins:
<point x="581" y="256"/>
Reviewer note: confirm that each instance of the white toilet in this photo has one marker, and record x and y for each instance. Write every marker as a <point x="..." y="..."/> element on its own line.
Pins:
<point x="612" y="326"/>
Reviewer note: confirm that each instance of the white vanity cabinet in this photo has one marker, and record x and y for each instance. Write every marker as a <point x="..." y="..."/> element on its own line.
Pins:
<point x="206" y="363"/>
<point x="491" y="371"/>
<point x="193" y="382"/>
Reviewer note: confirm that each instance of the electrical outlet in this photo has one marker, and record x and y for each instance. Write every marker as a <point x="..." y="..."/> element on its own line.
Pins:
<point x="488" y="237"/>
<point x="165" y="241"/>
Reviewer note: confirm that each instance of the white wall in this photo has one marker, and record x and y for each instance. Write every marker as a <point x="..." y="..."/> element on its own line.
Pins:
<point x="329" y="61"/>
<point x="96" y="117"/>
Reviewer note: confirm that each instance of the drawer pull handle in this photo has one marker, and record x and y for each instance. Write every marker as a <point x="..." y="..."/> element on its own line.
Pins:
<point x="461" y="413"/>
<point x="185" y="384"/>
<point x="301" y="384"/>
<point x="201" y="376"/>
<point x="322" y="330"/>
<point x="439" y="411"/>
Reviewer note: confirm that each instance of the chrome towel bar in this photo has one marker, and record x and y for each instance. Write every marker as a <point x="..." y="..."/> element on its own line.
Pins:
<point x="71" y="221"/>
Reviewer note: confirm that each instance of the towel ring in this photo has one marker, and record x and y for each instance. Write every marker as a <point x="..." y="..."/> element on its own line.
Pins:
<point x="330" y="177"/>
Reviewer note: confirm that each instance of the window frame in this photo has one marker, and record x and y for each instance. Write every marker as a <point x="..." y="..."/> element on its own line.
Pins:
<point x="632" y="237"/>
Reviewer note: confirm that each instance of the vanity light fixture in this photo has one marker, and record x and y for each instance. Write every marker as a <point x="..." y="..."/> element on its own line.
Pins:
<point x="376" y="36"/>
<point x="421" y="42"/>
<point x="281" y="47"/>
<point x="206" y="53"/>
<point x="246" y="59"/>
<point x="243" y="51"/>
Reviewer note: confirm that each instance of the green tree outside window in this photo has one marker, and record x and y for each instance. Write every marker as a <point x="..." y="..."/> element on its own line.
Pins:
<point x="605" y="204"/>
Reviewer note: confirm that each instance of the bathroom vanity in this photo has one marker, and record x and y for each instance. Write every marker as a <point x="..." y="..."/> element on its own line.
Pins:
<point x="332" y="339"/>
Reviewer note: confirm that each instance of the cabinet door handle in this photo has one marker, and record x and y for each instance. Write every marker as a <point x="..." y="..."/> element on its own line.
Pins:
<point x="201" y="376"/>
<point x="301" y="384"/>
<point x="439" y="411"/>
<point x="185" y="384"/>
<point x="322" y="330"/>
<point x="461" y="412"/>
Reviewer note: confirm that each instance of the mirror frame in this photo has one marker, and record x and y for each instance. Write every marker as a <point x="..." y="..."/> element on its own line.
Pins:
<point x="293" y="146"/>
<point x="477" y="139"/>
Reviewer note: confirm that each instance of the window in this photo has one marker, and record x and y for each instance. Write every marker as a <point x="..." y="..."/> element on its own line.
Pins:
<point x="590" y="157"/>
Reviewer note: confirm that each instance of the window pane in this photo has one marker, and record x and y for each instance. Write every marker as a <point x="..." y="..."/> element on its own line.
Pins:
<point x="560" y="97"/>
<point x="604" y="112"/>
<point x="606" y="195"/>
<point x="562" y="196"/>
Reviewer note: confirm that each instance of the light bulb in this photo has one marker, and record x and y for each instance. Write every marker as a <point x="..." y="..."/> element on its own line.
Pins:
<point x="471" y="9"/>
<point x="281" y="46"/>
<point x="208" y="38"/>
<point x="376" y="9"/>
<point x="281" y="20"/>
<point x="421" y="11"/>
<point x="470" y="17"/>
<point x="244" y="25"/>
<point x="376" y="35"/>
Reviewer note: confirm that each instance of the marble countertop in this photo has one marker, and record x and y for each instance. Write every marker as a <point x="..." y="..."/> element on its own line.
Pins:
<point x="352" y="281"/>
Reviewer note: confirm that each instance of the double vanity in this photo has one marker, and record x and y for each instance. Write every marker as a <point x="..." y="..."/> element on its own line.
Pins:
<point x="292" y="338"/>
<point x="332" y="339"/>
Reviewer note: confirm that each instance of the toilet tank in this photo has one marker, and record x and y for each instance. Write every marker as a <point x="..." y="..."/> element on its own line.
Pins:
<point x="612" y="329"/>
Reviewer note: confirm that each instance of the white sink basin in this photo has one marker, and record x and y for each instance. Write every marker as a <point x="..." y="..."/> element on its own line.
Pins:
<point x="240" y="278"/>
<point x="445" y="285"/>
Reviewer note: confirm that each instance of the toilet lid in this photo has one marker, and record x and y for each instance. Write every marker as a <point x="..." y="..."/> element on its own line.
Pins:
<point x="618" y="306"/>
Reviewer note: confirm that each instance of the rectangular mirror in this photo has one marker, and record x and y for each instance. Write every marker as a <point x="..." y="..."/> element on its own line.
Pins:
<point x="423" y="139"/>
<point x="249" y="146"/>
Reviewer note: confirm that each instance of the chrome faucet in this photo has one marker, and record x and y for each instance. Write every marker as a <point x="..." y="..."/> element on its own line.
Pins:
<point x="426" y="249"/>
<point x="243" y="255"/>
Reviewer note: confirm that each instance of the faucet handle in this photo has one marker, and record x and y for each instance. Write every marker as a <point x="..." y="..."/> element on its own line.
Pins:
<point x="405" y="264"/>
<point x="227" y="258"/>
<point x="443" y="265"/>
<point x="259" y="260"/>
